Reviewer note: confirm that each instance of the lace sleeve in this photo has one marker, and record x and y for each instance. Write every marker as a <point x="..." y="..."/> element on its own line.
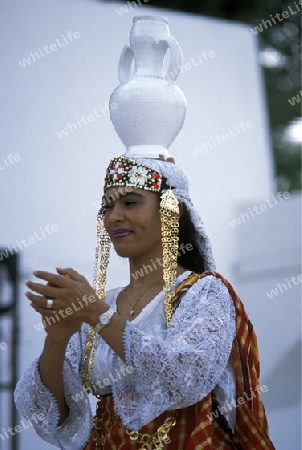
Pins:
<point x="34" y="400"/>
<point x="183" y="367"/>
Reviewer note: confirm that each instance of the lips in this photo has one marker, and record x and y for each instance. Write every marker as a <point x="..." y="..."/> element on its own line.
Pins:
<point x="120" y="233"/>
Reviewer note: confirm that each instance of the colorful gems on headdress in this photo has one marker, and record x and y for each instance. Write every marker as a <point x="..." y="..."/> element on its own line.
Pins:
<point x="123" y="171"/>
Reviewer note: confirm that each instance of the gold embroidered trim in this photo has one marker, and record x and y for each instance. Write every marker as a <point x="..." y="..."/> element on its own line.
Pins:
<point x="156" y="441"/>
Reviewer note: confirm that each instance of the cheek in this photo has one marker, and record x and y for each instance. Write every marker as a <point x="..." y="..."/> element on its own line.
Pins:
<point x="154" y="224"/>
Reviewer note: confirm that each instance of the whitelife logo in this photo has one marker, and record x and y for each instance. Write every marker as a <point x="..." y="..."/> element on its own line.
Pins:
<point x="3" y="345"/>
<point x="63" y="313"/>
<point x="271" y="22"/>
<point x="284" y="287"/>
<point x="12" y="431"/>
<point x="24" y="243"/>
<point x="86" y="120"/>
<point x="48" y="50"/>
<point x="9" y="160"/>
<point x="270" y="203"/>
<point x="295" y="99"/>
<point x="218" y="140"/>
<point x="125" y="9"/>
<point x="149" y="268"/>
<point x="123" y="371"/>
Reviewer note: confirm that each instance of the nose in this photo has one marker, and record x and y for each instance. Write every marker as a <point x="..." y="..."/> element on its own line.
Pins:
<point x="115" y="214"/>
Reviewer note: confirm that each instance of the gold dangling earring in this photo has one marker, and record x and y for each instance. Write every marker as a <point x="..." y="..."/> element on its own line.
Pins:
<point x="169" y="215"/>
<point x="101" y="261"/>
<point x="102" y="253"/>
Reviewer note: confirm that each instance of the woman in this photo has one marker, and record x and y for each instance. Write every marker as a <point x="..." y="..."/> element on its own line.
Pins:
<point x="169" y="355"/>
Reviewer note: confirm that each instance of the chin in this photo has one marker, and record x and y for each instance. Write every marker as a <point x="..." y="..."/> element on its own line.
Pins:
<point x="122" y="252"/>
<point x="127" y="252"/>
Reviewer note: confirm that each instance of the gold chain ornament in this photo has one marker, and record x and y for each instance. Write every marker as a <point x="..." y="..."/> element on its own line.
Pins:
<point x="102" y="253"/>
<point x="101" y="262"/>
<point x="169" y="214"/>
<point x="132" y="306"/>
<point x="97" y="435"/>
<point x="156" y="440"/>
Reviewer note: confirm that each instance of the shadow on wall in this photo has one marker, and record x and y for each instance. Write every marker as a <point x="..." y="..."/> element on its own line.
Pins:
<point x="285" y="389"/>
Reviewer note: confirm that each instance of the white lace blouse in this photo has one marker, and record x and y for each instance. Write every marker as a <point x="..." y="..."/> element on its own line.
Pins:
<point x="165" y="369"/>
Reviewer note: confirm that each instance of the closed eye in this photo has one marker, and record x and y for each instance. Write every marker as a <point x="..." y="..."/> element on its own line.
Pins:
<point x="130" y="202"/>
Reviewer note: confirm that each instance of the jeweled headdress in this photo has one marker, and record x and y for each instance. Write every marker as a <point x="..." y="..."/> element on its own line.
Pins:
<point x="124" y="171"/>
<point x="148" y="110"/>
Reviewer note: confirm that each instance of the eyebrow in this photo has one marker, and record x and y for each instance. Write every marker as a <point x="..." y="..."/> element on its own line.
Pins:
<point x="121" y="195"/>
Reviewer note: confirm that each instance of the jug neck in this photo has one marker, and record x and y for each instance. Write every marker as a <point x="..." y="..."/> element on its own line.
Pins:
<point x="149" y="58"/>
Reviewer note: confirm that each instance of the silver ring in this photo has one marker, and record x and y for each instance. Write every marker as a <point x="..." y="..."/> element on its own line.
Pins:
<point x="49" y="303"/>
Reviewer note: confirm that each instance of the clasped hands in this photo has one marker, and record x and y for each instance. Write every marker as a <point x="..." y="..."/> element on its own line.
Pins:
<point x="68" y="296"/>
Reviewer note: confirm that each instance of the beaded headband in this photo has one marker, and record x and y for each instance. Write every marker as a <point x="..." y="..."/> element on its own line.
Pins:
<point x="123" y="171"/>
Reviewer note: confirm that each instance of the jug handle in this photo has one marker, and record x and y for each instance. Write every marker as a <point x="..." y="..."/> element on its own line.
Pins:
<point x="176" y="58"/>
<point x="124" y="65"/>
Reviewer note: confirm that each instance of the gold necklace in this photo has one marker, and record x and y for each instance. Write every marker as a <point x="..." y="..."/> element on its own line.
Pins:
<point x="132" y="306"/>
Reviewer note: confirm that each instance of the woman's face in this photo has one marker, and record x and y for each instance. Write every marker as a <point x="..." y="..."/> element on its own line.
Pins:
<point x="132" y="219"/>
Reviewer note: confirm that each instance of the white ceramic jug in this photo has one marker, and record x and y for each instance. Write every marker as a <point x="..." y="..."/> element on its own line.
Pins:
<point x="149" y="109"/>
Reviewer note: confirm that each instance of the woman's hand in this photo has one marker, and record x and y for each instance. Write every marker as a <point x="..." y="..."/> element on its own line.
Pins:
<point x="74" y="302"/>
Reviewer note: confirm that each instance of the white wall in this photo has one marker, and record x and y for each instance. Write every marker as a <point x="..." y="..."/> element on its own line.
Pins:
<point x="268" y="257"/>
<point x="58" y="181"/>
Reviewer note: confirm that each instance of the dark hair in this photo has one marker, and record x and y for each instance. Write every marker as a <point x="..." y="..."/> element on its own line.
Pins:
<point x="189" y="256"/>
<point x="190" y="259"/>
